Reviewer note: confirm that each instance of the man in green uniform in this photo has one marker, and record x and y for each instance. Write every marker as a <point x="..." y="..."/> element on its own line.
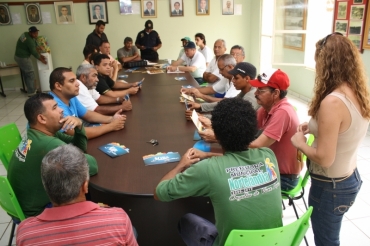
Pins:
<point x="26" y="46"/>
<point x="243" y="184"/>
<point x="45" y="120"/>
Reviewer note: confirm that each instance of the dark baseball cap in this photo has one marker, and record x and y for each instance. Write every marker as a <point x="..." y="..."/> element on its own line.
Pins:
<point x="149" y="24"/>
<point x="33" y="29"/>
<point x="245" y="69"/>
<point x="190" y="45"/>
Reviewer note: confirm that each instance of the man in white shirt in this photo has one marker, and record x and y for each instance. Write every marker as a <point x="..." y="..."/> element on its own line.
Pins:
<point x="200" y="40"/>
<point x="88" y="78"/>
<point x="195" y="62"/>
<point x="212" y="73"/>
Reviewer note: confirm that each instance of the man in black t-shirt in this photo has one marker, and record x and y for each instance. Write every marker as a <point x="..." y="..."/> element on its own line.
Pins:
<point x="148" y="41"/>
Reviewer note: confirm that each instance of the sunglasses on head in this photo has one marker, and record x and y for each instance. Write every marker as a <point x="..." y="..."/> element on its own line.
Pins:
<point x="324" y="40"/>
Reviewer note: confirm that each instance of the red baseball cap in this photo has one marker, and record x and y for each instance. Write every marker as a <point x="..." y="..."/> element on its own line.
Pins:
<point x="272" y="77"/>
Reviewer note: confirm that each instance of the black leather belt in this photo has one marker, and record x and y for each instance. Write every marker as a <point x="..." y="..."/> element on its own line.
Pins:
<point x="327" y="179"/>
<point x="290" y="176"/>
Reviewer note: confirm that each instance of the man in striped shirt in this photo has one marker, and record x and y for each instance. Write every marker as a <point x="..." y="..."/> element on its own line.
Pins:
<point x="72" y="220"/>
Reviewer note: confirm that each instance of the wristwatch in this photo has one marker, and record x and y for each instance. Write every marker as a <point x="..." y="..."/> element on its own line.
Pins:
<point x="118" y="100"/>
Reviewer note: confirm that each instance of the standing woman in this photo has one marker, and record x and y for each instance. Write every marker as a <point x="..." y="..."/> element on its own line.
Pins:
<point x="340" y="111"/>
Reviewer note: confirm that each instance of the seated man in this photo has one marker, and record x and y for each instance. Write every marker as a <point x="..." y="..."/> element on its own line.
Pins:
<point x="72" y="220"/>
<point x="243" y="184"/>
<point x="195" y="63"/>
<point x="45" y="120"/>
<point x="88" y="50"/>
<point x="87" y="77"/>
<point x="242" y="73"/>
<point x="107" y="85"/>
<point x="128" y="52"/>
<point x="225" y="63"/>
<point x="104" y="48"/>
<point x="65" y="88"/>
<point x="184" y="41"/>
<point x="212" y="73"/>
<point x="238" y="53"/>
<point x="278" y="122"/>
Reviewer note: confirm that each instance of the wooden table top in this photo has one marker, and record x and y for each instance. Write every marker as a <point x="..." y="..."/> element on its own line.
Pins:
<point x="156" y="114"/>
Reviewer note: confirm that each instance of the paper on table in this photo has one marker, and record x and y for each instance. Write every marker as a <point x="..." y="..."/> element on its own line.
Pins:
<point x="168" y="71"/>
<point x="190" y="98"/>
<point x="195" y="119"/>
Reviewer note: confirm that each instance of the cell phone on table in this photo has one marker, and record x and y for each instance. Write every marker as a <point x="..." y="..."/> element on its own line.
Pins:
<point x="186" y="104"/>
<point x="127" y="97"/>
<point x="140" y="82"/>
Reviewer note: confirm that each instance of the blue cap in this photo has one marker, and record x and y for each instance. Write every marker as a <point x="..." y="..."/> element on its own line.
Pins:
<point x="190" y="45"/>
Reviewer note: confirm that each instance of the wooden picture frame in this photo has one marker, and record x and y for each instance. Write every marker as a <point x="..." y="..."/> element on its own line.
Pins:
<point x="125" y="7"/>
<point x="366" y="37"/>
<point x="202" y="7"/>
<point x="33" y="13"/>
<point x="5" y="17"/>
<point x="176" y="8"/>
<point x="227" y="7"/>
<point x="295" y="18"/>
<point x="64" y="13"/>
<point x="148" y="8"/>
<point x="97" y="11"/>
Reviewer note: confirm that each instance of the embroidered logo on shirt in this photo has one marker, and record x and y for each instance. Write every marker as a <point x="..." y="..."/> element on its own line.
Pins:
<point x="142" y="35"/>
<point x="252" y="180"/>
<point x="23" y="148"/>
<point x="22" y="38"/>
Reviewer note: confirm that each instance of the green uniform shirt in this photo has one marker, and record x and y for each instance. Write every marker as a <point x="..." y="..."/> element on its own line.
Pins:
<point x="244" y="188"/>
<point x="24" y="172"/>
<point x="26" y="46"/>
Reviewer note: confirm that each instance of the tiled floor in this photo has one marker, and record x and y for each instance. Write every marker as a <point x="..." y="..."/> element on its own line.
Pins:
<point x="355" y="226"/>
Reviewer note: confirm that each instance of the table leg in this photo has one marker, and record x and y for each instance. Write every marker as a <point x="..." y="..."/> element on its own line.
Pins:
<point x="23" y="83"/>
<point x="2" y="89"/>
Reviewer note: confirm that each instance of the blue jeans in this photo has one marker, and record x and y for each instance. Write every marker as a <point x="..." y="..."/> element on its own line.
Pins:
<point x="195" y="230"/>
<point x="287" y="183"/>
<point x="330" y="201"/>
<point x="25" y="64"/>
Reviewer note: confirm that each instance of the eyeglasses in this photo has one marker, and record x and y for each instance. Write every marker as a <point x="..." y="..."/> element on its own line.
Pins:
<point x="259" y="91"/>
<point x="221" y="69"/>
<point x="324" y="40"/>
<point x="235" y="54"/>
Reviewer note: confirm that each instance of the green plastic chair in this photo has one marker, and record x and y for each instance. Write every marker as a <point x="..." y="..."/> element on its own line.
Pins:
<point x="289" y="235"/>
<point x="9" y="202"/>
<point x="9" y="141"/>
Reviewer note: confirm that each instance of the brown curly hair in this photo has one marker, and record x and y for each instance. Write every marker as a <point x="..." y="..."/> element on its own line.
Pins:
<point x="338" y="61"/>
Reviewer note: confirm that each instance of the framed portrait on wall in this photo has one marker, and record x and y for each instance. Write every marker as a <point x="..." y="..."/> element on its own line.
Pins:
<point x="203" y="7"/>
<point x="125" y="7"/>
<point x="295" y="19"/>
<point x="33" y="13"/>
<point x="176" y="8"/>
<point x="227" y="7"/>
<point x="98" y="11"/>
<point x="64" y="12"/>
<point x="5" y="17"/>
<point x="149" y="9"/>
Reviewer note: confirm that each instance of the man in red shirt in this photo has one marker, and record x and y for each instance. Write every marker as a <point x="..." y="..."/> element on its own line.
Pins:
<point x="278" y="122"/>
<point x="72" y="220"/>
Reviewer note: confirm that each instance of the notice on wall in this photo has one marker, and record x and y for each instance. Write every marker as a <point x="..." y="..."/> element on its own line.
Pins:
<point x="238" y="9"/>
<point x="136" y="8"/>
<point x="16" y="18"/>
<point x="46" y="18"/>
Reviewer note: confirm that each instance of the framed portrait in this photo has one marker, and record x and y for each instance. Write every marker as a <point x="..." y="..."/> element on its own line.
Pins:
<point x="125" y="7"/>
<point x="342" y="10"/>
<point x="357" y="12"/>
<point x="98" y="11"/>
<point x="64" y="12"/>
<point x="358" y="1"/>
<point x="202" y="7"/>
<point x="176" y="8"/>
<point x="366" y="40"/>
<point x="295" y="18"/>
<point x="33" y="13"/>
<point x="5" y="17"/>
<point x="149" y="9"/>
<point x="228" y="7"/>
<point x="341" y="26"/>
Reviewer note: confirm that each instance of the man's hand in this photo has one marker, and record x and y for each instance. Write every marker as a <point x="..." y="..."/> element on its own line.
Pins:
<point x="119" y="115"/>
<point x="114" y="64"/>
<point x="172" y="68"/>
<point x="187" y="160"/>
<point x="126" y="106"/>
<point x="195" y="153"/>
<point x="188" y="114"/>
<point x="205" y="122"/>
<point x="133" y="90"/>
<point x="303" y="128"/>
<point x="155" y="48"/>
<point x="42" y="59"/>
<point x="118" y="123"/>
<point x="193" y="105"/>
<point x="298" y="139"/>
<point x="142" y="47"/>
<point x="208" y="135"/>
<point x="70" y="122"/>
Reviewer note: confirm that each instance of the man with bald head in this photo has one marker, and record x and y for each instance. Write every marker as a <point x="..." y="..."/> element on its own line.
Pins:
<point x="212" y="74"/>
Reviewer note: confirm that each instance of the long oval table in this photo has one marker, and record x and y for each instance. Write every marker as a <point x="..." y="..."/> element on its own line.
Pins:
<point x="126" y="182"/>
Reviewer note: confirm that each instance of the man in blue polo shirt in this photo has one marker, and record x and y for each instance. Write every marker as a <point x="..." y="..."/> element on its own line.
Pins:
<point x="64" y="88"/>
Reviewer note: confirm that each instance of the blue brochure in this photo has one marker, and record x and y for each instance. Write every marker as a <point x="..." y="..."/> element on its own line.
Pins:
<point x="203" y="146"/>
<point x="114" y="149"/>
<point x="196" y="136"/>
<point x="161" y="158"/>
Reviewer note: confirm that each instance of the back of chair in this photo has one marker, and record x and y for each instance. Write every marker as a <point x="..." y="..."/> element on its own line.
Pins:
<point x="289" y="235"/>
<point x="8" y="200"/>
<point x="9" y="141"/>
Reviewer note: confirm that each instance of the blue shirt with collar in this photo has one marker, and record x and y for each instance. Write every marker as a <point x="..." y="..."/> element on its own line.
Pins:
<point x="75" y="108"/>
